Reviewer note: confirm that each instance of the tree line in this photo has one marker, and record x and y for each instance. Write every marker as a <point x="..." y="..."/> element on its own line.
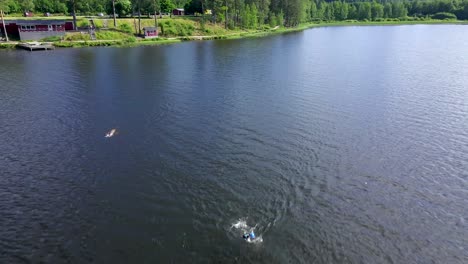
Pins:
<point x="254" y="13"/>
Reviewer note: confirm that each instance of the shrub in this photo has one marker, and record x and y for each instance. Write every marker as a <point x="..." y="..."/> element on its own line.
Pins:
<point x="126" y="28"/>
<point x="131" y="39"/>
<point x="83" y="23"/>
<point x="444" y="15"/>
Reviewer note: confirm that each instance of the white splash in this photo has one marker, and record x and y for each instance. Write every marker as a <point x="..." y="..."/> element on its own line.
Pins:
<point x="244" y="228"/>
<point x="111" y="133"/>
<point x="241" y="224"/>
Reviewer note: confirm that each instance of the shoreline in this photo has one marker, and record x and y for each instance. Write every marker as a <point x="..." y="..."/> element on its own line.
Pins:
<point x="236" y="35"/>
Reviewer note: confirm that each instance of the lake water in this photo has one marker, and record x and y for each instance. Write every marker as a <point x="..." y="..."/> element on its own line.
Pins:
<point x="338" y="145"/>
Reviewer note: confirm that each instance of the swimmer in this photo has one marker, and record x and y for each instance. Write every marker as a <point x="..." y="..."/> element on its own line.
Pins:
<point x="111" y="133"/>
<point x="249" y="236"/>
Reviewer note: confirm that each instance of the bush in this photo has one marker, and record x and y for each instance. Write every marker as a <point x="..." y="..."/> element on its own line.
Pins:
<point x="83" y="23"/>
<point x="131" y="39"/>
<point x="444" y="15"/>
<point x="126" y="28"/>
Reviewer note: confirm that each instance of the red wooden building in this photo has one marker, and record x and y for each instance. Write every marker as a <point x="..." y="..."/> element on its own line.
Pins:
<point x="36" y="29"/>
<point x="150" y="32"/>
<point x="178" y="12"/>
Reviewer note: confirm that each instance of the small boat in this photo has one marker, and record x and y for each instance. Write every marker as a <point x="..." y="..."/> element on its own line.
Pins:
<point x="111" y="133"/>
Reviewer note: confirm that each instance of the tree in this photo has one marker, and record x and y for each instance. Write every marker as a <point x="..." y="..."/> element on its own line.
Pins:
<point x="253" y="16"/>
<point x="245" y="14"/>
<point x="5" y="6"/>
<point x="27" y="5"/>
<point x="352" y="12"/>
<point x="280" y="19"/>
<point x="364" y="11"/>
<point x="194" y="6"/>
<point x="377" y="11"/>
<point x="329" y="12"/>
<point x="263" y="10"/>
<point x="123" y="7"/>
<point x="399" y="10"/>
<point x="313" y="10"/>
<point x="272" y="19"/>
<point x="167" y="6"/>
<point x="388" y="12"/>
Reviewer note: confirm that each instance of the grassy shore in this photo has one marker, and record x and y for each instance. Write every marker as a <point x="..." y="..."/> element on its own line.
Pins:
<point x="175" y="30"/>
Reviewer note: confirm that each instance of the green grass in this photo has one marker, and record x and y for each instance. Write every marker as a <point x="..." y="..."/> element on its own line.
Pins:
<point x="52" y="39"/>
<point x="111" y="34"/>
<point x="7" y="46"/>
<point x="68" y="44"/>
<point x="76" y="37"/>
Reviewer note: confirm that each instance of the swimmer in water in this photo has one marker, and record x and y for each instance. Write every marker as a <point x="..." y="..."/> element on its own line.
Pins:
<point x="249" y="236"/>
<point x="111" y="133"/>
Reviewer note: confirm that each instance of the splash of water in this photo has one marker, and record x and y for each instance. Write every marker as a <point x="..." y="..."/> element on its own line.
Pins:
<point x="244" y="228"/>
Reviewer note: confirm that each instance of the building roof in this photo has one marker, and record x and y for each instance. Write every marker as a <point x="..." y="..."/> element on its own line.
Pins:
<point x="179" y="9"/>
<point x="36" y="22"/>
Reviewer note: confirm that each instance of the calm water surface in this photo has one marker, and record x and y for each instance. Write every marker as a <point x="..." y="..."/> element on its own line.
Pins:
<point x="338" y="145"/>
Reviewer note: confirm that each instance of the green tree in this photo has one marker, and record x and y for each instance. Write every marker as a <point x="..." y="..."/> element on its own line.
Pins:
<point x="253" y="16"/>
<point x="245" y="14"/>
<point x="272" y="19"/>
<point x="26" y="5"/>
<point x="280" y="19"/>
<point x="377" y="10"/>
<point x="352" y="12"/>
<point x="263" y="10"/>
<point x="341" y="10"/>
<point x="364" y="11"/>
<point x="193" y="6"/>
<point x="399" y="10"/>
<point x="329" y="12"/>
<point x="167" y="6"/>
<point x="313" y="10"/>
<point x="388" y="12"/>
<point x="123" y="7"/>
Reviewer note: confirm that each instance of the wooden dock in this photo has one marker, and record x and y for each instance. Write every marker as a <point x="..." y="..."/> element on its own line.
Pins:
<point x="32" y="46"/>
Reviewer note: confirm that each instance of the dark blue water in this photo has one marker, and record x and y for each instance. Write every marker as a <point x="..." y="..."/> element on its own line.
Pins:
<point x="337" y="145"/>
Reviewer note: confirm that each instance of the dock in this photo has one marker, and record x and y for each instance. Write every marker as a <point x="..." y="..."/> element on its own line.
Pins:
<point x="32" y="46"/>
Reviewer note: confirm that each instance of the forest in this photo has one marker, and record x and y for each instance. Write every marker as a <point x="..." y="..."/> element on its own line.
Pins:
<point x="254" y="13"/>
